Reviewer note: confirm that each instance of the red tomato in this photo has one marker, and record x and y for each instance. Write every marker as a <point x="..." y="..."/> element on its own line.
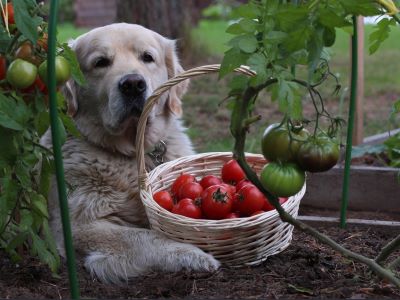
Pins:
<point x="39" y="84"/>
<point x="216" y="202"/>
<point x="249" y="200"/>
<point x="191" y="190"/>
<point x="283" y="200"/>
<point x="3" y="67"/>
<point x="164" y="199"/>
<point x="267" y="206"/>
<point x="10" y="10"/>
<point x="180" y="181"/>
<point x="257" y="212"/>
<point x="232" y="215"/>
<point x="231" y="188"/>
<point x="210" y="180"/>
<point x="243" y="183"/>
<point x="187" y="207"/>
<point x="232" y="173"/>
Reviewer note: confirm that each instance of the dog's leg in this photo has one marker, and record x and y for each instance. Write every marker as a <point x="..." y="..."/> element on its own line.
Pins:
<point x="116" y="253"/>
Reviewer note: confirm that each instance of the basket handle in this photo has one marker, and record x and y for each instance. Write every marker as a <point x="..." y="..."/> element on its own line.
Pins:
<point x="140" y="151"/>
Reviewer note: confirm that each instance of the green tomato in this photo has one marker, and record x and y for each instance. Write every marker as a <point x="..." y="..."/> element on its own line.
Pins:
<point x="282" y="179"/>
<point x="329" y="36"/>
<point x="63" y="70"/>
<point x="318" y="154"/>
<point x="21" y="74"/>
<point x="276" y="144"/>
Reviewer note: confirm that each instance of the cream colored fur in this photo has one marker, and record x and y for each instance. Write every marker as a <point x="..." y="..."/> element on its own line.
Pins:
<point x="108" y="220"/>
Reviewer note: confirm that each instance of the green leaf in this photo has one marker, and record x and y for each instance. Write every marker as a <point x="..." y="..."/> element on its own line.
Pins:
<point x="39" y="247"/>
<point x="39" y="204"/>
<point x="377" y="37"/>
<point x="14" y="114"/>
<point x="233" y="58"/>
<point x="258" y="63"/>
<point x="70" y="125"/>
<point x="48" y="238"/>
<point x="26" y="220"/>
<point x="8" y="122"/>
<point x="329" y="18"/>
<point x="45" y="175"/>
<point x="289" y="99"/>
<point x="26" y="23"/>
<point x="18" y="240"/>
<point x="276" y="36"/>
<point x="360" y="7"/>
<point x="314" y="48"/>
<point x="42" y="122"/>
<point x="5" y="40"/>
<point x="61" y="131"/>
<point x="22" y="171"/>
<point x="291" y="17"/>
<point x="76" y="72"/>
<point x="249" y="11"/>
<point x="297" y="39"/>
<point x="246" y="42"/>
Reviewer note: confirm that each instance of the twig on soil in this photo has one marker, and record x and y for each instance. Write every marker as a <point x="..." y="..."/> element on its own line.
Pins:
<point x="388" y="249"/>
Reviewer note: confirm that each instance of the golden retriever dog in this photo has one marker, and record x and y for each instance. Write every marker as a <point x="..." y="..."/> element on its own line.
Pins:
<point x="123" y="64"/>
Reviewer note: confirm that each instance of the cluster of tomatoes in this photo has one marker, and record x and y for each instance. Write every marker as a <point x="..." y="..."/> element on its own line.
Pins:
<point x="291" y="152"/>
<point x="25" y="67"/>
<point x="211" y="197"/>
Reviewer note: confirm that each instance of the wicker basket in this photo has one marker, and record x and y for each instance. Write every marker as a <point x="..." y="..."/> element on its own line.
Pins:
<point x="234" y="242"/>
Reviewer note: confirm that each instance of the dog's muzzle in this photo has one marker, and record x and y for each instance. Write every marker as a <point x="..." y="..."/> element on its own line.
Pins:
<point x="133" y="88"/>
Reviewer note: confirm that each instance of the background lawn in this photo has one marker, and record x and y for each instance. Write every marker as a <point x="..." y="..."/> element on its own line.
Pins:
<point x="206" y="115"/>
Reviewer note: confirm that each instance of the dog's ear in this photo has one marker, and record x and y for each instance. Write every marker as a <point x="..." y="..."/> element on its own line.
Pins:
<point x="174" y="68"/>
<point x="69" y="91"/>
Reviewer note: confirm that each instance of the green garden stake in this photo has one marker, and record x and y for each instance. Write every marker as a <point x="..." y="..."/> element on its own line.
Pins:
<point x="350" y="124"/>
<point x="59" y="167"/>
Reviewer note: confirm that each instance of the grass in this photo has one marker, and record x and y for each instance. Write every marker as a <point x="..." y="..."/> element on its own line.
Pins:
<point x="67" y="31"/>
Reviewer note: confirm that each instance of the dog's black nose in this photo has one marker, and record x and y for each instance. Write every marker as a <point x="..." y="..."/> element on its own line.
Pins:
<point x="132" y="85"/>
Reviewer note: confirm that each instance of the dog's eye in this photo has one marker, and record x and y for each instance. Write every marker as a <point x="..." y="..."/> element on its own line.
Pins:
<point x="102" y="62"/>
<point x="147" y="57"/>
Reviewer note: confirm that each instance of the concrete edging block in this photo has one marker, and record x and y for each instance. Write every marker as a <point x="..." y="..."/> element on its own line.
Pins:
<point x="371" y="189"/>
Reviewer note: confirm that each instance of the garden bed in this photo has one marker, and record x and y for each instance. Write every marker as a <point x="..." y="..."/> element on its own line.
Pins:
<point x="304" y="270"/>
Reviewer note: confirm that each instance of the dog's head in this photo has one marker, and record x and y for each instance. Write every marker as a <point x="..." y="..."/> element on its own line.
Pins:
<point x="123" y="64"/>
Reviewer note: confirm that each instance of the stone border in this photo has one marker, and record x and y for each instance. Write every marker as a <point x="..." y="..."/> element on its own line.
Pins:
<point x="371" y="189"/>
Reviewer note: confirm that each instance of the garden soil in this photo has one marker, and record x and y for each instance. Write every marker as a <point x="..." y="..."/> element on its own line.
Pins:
<point x="306" y="269"/>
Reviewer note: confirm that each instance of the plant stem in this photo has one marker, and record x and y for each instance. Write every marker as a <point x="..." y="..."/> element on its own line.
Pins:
<point x="239" y="115"/>
<point x="388" y="249"/>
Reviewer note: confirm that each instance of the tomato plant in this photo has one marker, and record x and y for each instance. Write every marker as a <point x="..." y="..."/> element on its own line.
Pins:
<point x="249" y="199"/>
<point x="282" y="179"/>
<point x="25" y="166"/>
<point x="21" y="74"/>
<point x="164" y="199"/>
<point x="318" y="154"/>
<point x="180" y="181"/>
<point x="188" y="208"/>
<point x="216" y="202"/>
<point x="281" y="143"/>
<point x="232" y="173"/>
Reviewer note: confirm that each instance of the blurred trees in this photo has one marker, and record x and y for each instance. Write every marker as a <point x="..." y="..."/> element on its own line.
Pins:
<point x="171" y="18"/>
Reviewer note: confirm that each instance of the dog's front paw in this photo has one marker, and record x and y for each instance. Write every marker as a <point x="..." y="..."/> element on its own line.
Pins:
<point x="198" y="260"/>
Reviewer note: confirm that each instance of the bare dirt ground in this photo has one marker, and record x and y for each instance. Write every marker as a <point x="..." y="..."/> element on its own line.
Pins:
<point x="306" y="269"/>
